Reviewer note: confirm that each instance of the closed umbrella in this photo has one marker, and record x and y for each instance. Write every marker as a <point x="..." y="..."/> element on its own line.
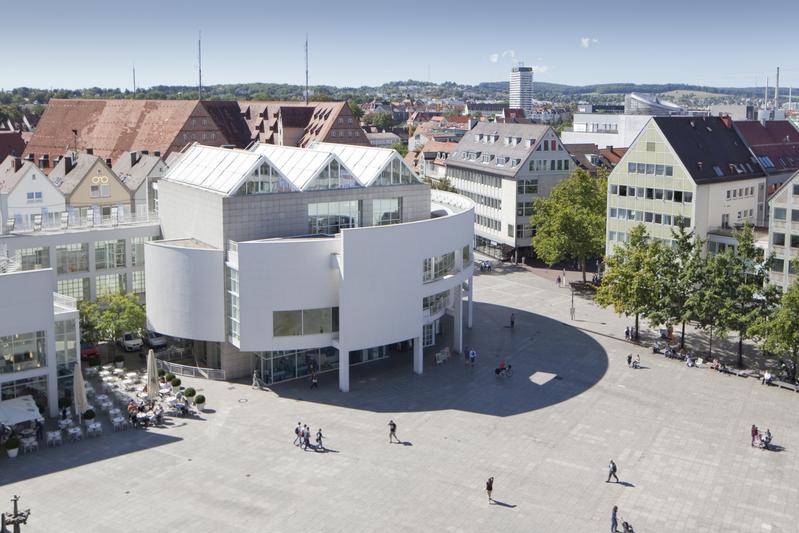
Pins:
<point x="152" y="377"/>
<point x="79" y="402"/>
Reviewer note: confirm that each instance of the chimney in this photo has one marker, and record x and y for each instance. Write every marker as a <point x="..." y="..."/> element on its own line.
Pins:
<point x="17" y="166"/>
<point x="108" y="162"/>
<point x="145" y="152"/>
<point x="157" y="153"/>
<point x="134" y="158"/>
<point x="90" y="151"/>
<point x="44" y="161"/>
<point x="727" y="121"/>
<point x="699" y="164"/>
<point x="69" y="164"/>
<point x="31" y="157"/>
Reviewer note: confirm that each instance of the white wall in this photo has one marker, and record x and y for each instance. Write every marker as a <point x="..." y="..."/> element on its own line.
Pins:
<point x="185" y="291"/>
<point x="34" y="181"/>
<point x="629" y="126"/>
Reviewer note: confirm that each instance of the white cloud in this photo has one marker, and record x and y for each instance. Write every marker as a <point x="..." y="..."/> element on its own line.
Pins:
<point x="509" y="53"/>
<point x="493" y="58"/>
<point x="540" y="69"/>
<point x="586" y="42"/>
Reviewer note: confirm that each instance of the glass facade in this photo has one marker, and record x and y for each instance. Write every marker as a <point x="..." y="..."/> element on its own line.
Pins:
<point x="66" y="347"/>
<point x="137" y="282"/>
<point x="35" y="387"/>
<point x="435" y="303"/>
<point x="232" y="301"/>
<point x="437" y="267"/>
<point x="329" y="218"/>
<point x="77" y="288"/>
<point x="386" y="211"/>
<point x="332" y="176"/>
<point x="137" y="250"/>
<point x="396" y="173"/>
<point x="33" y="258"/>
<point x="72" y="258"/>
<point x="292" y="364"/>
<point x="108" y="284"/>
<point x="304" y="322"/>
<point x="25" y="351"/>
<point x="109" y="254"/>
<point x="264" y="180"/>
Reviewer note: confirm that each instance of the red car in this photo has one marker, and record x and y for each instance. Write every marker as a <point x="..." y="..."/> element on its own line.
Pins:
<point x="88" y="350"/>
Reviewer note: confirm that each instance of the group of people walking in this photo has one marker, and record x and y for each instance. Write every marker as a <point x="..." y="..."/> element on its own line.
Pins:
<point x="302" y="437"/>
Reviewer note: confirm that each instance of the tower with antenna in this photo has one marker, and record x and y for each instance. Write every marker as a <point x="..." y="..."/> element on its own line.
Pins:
<point x="306" y="69"/>
<point x="134" y="80"/>
<point x="200" y="64"/>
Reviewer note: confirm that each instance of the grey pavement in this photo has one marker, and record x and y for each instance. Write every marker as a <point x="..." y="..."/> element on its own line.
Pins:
<point x="680" y="437"/>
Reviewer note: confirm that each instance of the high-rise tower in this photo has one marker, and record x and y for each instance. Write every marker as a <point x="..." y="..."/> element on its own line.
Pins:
<point x="521" y="89"/>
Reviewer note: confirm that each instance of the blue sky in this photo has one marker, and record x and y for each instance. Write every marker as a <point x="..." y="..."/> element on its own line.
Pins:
<point x="91" y="43"/>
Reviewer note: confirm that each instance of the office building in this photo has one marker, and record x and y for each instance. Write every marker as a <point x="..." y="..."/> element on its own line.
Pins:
<point x="287" y="260"/>
<point x="521" y="89"/>
<point x="783" y="232"/>
<point x="504" y="168"/>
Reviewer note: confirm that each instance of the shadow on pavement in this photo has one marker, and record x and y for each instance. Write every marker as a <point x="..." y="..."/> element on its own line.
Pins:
<point x="536" y="345"/>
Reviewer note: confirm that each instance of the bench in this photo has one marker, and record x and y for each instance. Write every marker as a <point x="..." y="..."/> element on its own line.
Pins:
<point x="785" y="385"/>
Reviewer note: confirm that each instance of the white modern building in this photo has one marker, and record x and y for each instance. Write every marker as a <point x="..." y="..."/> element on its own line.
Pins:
<point x="39" y="338"/>
<point x="288" y="261"/>
<point x="783" y="232"/>
<point x="504" y="168"/>
<point x="521" y="89"/>
<point x="603" y="129"/>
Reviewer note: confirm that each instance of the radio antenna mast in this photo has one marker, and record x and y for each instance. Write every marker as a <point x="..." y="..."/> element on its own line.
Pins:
<point x="306" y="69"/>
<point x="200" y="64"/>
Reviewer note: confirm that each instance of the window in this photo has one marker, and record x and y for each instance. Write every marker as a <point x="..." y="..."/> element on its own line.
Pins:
<point x="33" y="258"/>
<point x="66" y="347"/>
<point x="286" y="323"/>
<point x="622" y="190"/>
<point x="669" y="170"/>
<point x="527" y="186"/>
<point x="794" y="241"/>
<point x="641" y="168"/>
<point x="266" y="179"/>
<point x="650" y="169"/>
<point x="648" y="217"/>
<point x="304" y="322"/>
<point x="796" y="190"/>
<point x="524" y="209"/>
<point x="137" y="282"/>
<point x="108" y="284"/>
<point x="668" y="195"/>
<point x="100" y="191"/>
<point x="658" y="218"/>
<point x="650" y="193"/>
<point x="109" y="254"/>
<point x="72" y="258"/>
<point x="552" y="165"/>
<point x="33" y="197"/>
<point x="779" y="239"/>
<point x="688" y="197"/>
<point x="435" y="303"/>
<point x="650" y="147"/>
<point x="631" y="191"/>
<point x="434" y="268"/>
<point x="667" y="220"/>
<point x="331" y="217"/>
<point x="631" y="168"/>
<point x="510" y="230"/>
<point x="612" y="213"/>
<point x="397" y="173"/>
<point x="232" y="303"/>
<point x="467" y="254"/>
<point x="24" y="351"/>
<point x="611" y="235"/>
<point x="614" y="189"/>
<point x="777" y="264"/>
<point x="137" y="250"/>
<point x="678" y="196"/>
<point x="76" y="288"/>
<point x="794" y="215"/>
<point x="780" y="213"/>
<point x="718" y="171"/>
<point x="622" y="214"/>
<point x="659" y="169"/>
<point x="386" y="211"/>
<point x="658" y="194"/>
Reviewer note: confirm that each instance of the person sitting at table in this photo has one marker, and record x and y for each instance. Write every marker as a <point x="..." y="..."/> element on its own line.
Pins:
<point x="767" y="378"/>
<point x="158" y="411"/>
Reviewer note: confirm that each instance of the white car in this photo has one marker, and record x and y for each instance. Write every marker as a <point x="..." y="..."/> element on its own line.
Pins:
<point x="131" y="342"/>
<point x="154" y="340"/>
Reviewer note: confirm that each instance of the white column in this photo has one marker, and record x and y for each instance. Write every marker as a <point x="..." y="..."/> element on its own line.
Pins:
<point x="418" y="356"/>
<point x="52" y="369"/>
<point x="471" y="293"/>
<point x="457" y="333"/>
<point x="343" y="369"/>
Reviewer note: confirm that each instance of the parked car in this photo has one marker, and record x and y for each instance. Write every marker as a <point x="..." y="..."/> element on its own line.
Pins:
<point x="88" y="350"/>
<point x="154" y="339"/>
<point x="130" y="342"/>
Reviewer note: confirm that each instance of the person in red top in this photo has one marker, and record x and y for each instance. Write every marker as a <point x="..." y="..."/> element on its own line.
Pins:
<point x="755" y="434"/>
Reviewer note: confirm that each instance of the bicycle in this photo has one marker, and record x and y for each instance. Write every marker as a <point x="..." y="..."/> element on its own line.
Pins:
<point x="507" y="371"/>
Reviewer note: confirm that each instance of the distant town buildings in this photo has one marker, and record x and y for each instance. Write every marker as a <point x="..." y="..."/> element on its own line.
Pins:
<point x="521" y="89"/>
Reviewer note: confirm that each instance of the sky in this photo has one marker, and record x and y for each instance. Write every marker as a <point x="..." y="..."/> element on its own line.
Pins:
<point x="87" y="43"/>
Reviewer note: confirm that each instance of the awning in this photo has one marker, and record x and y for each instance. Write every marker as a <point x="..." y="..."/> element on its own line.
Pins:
<point x="19" y="410"/>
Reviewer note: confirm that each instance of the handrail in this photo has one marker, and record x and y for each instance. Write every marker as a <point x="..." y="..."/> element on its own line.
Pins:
<point x="191" y="371"/>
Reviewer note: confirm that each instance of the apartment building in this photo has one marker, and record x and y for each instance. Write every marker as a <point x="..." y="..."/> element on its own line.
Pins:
<point x="29" y="198"/>
<point x="503" y="168"/>
<point x="783" y="232"/>
<point x="521" y="89"/>
<point x="698" y="169"/>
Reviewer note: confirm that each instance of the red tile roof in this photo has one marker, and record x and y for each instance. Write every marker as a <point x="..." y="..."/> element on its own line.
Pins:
<point x="11" y="143"/>
<point x="777" y="139"/>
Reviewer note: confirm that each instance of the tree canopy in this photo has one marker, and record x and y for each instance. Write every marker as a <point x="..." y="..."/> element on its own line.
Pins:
<point x="570" y="223"/>
<point x="110" y="317"/>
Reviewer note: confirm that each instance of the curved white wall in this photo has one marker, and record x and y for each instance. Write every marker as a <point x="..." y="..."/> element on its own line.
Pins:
<point x="185" y="291"/>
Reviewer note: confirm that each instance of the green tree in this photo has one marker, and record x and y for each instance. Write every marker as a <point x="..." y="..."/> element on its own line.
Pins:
<point x="779" y="331"/>
<point x="710" y="300"/>
<point x="119" y="313"/>
<point x="356" y="110"/>
<point x="89" y="313"/>
<point x="402" y="148"/>
<point x="629" y="281"/>
<point x="570" y="223"/>
<point x="677" y="270"/>
<point x="381" y="121"/>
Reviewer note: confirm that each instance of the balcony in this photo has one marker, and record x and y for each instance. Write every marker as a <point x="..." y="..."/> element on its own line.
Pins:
<point x="64" y="304"/>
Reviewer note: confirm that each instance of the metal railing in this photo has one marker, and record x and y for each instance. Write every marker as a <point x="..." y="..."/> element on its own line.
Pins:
<point x="65" y="303"/>
<point x="77" y="222"/>
<point x="191" y="371"/>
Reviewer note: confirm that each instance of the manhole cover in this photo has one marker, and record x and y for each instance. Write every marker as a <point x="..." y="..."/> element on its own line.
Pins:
<point x="243" y="400"/>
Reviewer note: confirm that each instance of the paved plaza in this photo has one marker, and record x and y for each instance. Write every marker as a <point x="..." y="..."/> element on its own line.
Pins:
<point x="680" y="437"/>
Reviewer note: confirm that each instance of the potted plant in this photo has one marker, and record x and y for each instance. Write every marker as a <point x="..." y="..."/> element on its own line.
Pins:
<point x="175" y="385"/>
<point x="169" y="377"/>
<point x="189" y="393"/>
<point x="119" y="361"/>
<point x="161" y="372"/>
<point x="199" y="401"/>
<point x="12" y="446"/>
<point x="89" y="415"/>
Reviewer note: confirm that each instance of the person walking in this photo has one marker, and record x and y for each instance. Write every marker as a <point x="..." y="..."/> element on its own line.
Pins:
<point x="512" y="320"/>
<point x="627" y="333"/>
<point x="306" y="437"/>
<point x="755" y="433"/>
<point x="557" y="281"/>
<point x="629" y="359"/>
<point x="490" y="488"/>
<point x="314" y="380"/>
<point x="472" y="357"/>
<point x="319" y="445"/>
<point x="612" y="472"/>
<point x="39" y="430"/>
<point x="256" y="383"/>
<point x="392" y="432"/>
<point x="614" y="521"/>
<point x="298" y="434"/>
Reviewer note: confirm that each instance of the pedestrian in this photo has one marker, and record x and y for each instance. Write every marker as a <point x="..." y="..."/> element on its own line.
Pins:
<point x="512" y="320"/>
<point x="256" y="383"/>
<point x="319" y="445"/>
<point x="627" y="333"/>
<point x="298" y="434"/>
<point x="612" y="472"/>
<point x="314" y="381"/>
<point x="489" y="488"/>
<point x="306" y="437"/>
<point x="614" y="521"/>
<point x="392" y="432"/>
<point x="755" y="433"/>
<point x="63" y="413"/>
<point x="629" y="359"/>
<point x="39" y="430"/>
<point x="557" y="281"/>
<point x="472" y="357"/>
<point x="572" y="312"/>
